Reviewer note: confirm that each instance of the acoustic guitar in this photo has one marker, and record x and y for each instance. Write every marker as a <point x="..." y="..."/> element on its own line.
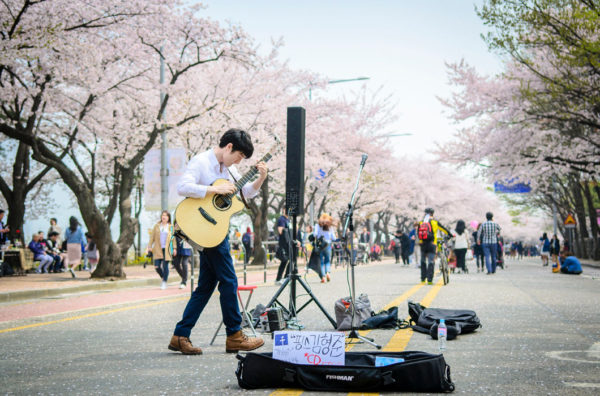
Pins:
<point x="204" y="222"/>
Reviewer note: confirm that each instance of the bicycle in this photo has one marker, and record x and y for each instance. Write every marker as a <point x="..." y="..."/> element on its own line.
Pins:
<point x="443" y="255"/>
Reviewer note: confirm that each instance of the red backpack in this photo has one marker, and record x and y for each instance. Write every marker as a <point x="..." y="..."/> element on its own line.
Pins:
<point x="425" y="232"/>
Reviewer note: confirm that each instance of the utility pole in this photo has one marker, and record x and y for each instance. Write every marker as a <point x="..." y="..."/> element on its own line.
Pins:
<point x="164" y="167"/>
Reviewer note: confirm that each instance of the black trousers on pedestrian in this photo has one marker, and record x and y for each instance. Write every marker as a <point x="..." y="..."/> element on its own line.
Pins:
<point x="427" y="261"/>
<point x="405" y="256"/>
<point x="460" y="258"/>
<point x="397" y="253"/>
<point x="181" y="266"/>
<point x="283" y="266"/>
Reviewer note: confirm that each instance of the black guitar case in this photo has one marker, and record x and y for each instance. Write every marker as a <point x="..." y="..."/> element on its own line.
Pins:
<point x="420" y="372"/>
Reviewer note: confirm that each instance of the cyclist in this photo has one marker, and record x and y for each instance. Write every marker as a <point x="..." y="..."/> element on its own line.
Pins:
<point x="429" y="243"/>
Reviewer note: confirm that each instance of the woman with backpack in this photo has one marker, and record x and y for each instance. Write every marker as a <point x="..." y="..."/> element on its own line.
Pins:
<point x="461" y="244"/>
<point x="324" y="236"/>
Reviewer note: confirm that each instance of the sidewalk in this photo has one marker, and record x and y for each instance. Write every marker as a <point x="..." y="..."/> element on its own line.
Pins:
<point x="15" y="288"/>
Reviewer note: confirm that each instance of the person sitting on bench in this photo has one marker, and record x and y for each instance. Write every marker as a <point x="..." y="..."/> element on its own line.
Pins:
<point x="39" y="254"/>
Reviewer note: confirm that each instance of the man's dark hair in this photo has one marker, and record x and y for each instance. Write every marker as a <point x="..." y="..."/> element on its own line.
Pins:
<point x="53" y="233"/>
<point x="489" y="215"/>
<point x="1" y="210"/>
<point x="240" y="139"/>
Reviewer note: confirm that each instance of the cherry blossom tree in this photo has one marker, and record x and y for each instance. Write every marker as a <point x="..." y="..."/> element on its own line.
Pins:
<point x="76" y="76"/>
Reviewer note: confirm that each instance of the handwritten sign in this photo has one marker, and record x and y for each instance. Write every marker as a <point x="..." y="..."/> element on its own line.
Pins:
<point x="310" y="347"/>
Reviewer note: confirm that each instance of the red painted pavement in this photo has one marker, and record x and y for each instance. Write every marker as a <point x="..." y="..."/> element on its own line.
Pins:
<point x="62" y="304"/>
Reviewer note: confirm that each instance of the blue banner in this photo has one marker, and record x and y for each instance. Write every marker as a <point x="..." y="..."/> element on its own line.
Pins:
<point x="517" y="188"/>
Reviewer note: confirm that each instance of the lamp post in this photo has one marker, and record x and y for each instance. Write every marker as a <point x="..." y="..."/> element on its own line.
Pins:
<point x="164" y="167"/>
<point x="312" y="203"/>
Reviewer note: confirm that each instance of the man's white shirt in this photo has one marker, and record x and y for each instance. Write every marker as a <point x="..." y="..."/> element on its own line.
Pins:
<point x="202" y="171"/>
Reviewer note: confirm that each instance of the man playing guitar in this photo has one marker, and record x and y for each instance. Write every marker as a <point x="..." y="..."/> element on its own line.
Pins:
<point x="216" y="265"/>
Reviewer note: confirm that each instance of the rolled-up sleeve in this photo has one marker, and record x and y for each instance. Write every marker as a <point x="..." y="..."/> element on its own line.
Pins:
<point x="188" y="185"/>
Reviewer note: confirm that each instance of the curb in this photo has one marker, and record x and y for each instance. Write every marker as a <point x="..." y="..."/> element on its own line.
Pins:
<point x="98" y="285"/>
<point x="108" y="285"/>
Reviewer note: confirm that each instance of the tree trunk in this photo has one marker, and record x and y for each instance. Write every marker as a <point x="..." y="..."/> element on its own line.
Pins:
<point x="259" y="222"/>
<point x="593" y="221"/>
<point x="582" y="235"/>
<point x="21" y="186"/>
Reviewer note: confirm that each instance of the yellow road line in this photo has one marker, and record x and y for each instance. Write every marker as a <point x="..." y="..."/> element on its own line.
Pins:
<point x="287" y="392"/>
<point x="401" y="337"/>
<point x="393" y="303"/>
<point x="90" y="315"/>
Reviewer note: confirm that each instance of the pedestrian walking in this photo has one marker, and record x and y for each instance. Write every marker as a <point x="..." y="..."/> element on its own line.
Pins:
<point x="91" y="251"/>
<point x="74" y="240"/>
<point x="487" y="236"/>
<point x="324" y="237"/>
<point x="283" y="246"/>
<point x="248" y="242"/>
<point x="182" y="259"/>
<point x="404" y="247"/>
<point x="163" y="246"/>
<point x="412" y="252"/>
<point x="545" y="249"/>
<point x="554" y="252"/>
<point x="478" y="250"/>
<point x="395" y="246"/>
<point x="461" y="244"/>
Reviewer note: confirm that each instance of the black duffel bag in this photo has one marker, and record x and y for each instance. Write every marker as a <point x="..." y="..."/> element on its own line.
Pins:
<point x="420" y="372"/>
<point x="463" y="320"/>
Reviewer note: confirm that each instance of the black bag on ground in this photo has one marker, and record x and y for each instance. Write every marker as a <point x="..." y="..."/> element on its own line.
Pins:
<point x="420" y="372"/>
<point x="463" y="320"/>
<point x="385" y="319"/>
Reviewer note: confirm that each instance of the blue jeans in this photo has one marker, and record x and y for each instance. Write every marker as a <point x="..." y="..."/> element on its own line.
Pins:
<point x="216" y="267"/>
<point x="325" y="256"/>
<point x="490" y="249"/>
<point x="162" y="267"/>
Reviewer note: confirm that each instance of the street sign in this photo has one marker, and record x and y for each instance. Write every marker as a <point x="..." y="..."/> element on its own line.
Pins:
<point x="510" y="187"/>
<point x="570" y="221"/>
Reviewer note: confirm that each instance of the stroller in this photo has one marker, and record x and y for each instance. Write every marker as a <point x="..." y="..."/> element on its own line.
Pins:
<point x="337" y="251"/>
<point x="362" y="255"/>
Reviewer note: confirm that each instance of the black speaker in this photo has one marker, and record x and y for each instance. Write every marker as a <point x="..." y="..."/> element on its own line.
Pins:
<point x="294" y="176"/>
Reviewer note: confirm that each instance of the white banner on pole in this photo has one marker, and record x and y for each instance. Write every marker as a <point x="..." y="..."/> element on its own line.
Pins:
<point x="176" y="160"/>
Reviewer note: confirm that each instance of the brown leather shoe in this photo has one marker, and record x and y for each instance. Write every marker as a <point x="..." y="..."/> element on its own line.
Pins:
<point x="241" y="342"/>
<point x="183" y="345"/>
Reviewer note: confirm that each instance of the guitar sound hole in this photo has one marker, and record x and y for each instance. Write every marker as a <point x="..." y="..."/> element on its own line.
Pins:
<point x="222" y="202"/>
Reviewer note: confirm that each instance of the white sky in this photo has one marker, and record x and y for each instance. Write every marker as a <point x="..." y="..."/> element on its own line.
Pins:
<point x="401" y="45"/>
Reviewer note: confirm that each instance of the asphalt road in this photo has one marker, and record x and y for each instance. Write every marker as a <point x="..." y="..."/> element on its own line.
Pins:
<point x="540" y="336"/>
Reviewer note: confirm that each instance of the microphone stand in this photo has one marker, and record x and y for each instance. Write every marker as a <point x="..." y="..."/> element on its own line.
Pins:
<point x="348" y="232"/>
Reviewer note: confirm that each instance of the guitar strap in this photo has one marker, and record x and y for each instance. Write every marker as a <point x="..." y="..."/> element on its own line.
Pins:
<point x="241" y="193"/>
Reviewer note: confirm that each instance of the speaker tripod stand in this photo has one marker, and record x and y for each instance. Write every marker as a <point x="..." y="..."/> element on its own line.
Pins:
<point x="291" y="281"/>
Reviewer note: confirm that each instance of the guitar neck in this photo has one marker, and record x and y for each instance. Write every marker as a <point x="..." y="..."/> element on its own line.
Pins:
<point x="249" y="175"/>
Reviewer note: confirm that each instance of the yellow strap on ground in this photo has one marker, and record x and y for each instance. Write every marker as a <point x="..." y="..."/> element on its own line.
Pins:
<point x="93" y="314"/>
